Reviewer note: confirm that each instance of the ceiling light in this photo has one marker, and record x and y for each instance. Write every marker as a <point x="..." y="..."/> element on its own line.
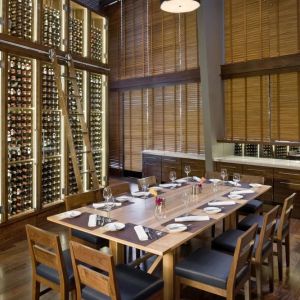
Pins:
<point x="179" y="6"/>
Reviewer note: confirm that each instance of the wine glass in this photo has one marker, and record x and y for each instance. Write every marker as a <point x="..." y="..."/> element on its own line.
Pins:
<point x="236" y="178"/>
<point x="172" y="176"/>
<point x="223" y="174"/>
<point x="145" y="187"/>
<point x="107" y="194"/>
<point x="187" y="170"/>
<point x="109" y="201"/>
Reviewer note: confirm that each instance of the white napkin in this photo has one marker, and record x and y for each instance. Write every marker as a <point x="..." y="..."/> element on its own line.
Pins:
<point x="123" y="198"/>
<point x="181" y="180"/>
<point x="139" y="194"/>
<point x="92" y="221"/>
<point x="196" y="178"/>
<point x="139" y="229"/>
<point x="156" y="188"/>
<point x="103" y="204"/>
<point x="192" y="218"/>
<point x="166" y="185"/>
<point x="242" y="192"/>
<point x="221" y="203"/>
<point x="233" y="183"/>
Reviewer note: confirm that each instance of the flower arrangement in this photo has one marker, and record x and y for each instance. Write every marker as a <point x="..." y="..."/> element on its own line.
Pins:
<point x="159" y="201"/>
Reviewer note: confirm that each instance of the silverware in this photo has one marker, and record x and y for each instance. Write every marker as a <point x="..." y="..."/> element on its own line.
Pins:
<point x="148" y="233"/>
<point x="98" y="220"/>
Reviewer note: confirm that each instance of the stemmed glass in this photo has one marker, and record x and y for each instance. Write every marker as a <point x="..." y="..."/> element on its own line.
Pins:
<point x="109" y="201"/>
<point x="223" y="174"/>
<point x="145" y="187"/>
<point x="187" y="170"/>
<point x="236" y="178"/>
<point x="172" y="176"/>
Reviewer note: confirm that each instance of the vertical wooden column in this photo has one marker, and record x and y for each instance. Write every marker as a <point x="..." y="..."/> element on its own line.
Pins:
<point x="211" y="57"/>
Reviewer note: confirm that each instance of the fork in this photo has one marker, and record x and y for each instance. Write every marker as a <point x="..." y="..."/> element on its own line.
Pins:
<point x="148" y="233"/>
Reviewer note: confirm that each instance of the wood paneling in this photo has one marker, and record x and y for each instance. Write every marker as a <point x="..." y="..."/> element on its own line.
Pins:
<point x="152" y="166"/>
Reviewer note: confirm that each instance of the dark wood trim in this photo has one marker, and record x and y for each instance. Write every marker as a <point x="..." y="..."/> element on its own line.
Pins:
<point x="272" y="65"/>
<point x="283" y="143"/>
<point x="182" y="77"/>
<point x="92" y="5"/>
<point x="33" y="50"/>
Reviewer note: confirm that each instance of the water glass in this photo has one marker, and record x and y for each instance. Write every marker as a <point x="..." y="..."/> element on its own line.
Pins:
<point x="223" y="174"/>
<point x="236" y="178"/>
<point x="186" y="199"/>
<point x="172" y="176"/>
<point x="187" y="170"/>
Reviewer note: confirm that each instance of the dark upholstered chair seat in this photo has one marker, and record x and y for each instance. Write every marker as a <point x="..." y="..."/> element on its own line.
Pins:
<point x="52" y="275"/>
<point x="251" y="219"/>
<point x="88" y="237"/>
<point x="133" y="285"/>
<point x="208" y="266"/>
<point x="251" y="207"/>
<point x="285" y="230"/>
<point x="227" y="242"/>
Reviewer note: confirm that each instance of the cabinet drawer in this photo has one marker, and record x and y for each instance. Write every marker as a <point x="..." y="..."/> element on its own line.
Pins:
<point x="170" y="164"/>
<point x="197" y="167"/>
<point x="231" y="168"/>
<point x="152" y="166"/>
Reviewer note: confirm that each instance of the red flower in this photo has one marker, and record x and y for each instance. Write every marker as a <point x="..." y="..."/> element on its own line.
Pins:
<point x="158" y="201"/>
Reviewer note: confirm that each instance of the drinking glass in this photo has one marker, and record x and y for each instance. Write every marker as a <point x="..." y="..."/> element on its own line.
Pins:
<point x="145" y="187"/>
<point x="109" y="201"/>
<point x="236" y="178"/>
<point x="172" y="176"/>
<point x="186" y="199"/>
<point x="187" y="170"/>
<point x="107" y="194"/>
<point x="223" y="174"/>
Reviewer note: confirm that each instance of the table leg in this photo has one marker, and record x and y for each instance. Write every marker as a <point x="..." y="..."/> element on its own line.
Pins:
<point x="168" y="275"/>
<point x="117" y="252"/>
<point x="230" y="221"/>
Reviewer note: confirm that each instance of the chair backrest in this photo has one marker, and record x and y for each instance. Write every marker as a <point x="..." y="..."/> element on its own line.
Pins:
<point x="267" y="232"/>
<point x="242" y="258"/>
<point x="100" y="276"/>
<point x="45" y="248"/>
<point x="151" y="181"/>
<point x="82" y="199"/>
<point x="120" y="188"/>
<point x="285" y="216"/>
<point x="212" y="174"/>
<point x="252" y="179"/>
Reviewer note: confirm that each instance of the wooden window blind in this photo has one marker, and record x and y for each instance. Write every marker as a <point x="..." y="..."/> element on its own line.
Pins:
<point x="262" y="108"/>
<point x="166" y="118"/>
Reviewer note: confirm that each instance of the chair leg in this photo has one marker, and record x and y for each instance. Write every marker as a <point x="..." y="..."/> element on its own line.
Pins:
<point x="247" y="288"/>
<point x="271" y="273"/>
<point x="177" y="288"/>
<point x="287" y="250"/>
<point x="213" y="231"/>
<point x="279" y="256"/>
<point x="35" y="290"/>
<point x="258" y="281"/>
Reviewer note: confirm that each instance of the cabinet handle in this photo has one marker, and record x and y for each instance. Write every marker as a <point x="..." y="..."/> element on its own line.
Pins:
<point x="284" y="173"/>
<point x="289" y="183"/>
<point x="254" y="170"/>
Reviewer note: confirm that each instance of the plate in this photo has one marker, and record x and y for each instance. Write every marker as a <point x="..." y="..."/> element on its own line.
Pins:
<point x="212" y="210"/>
<point x="176" y="227"/>
<point x="235" y="196"/>
<point x="255" y="185"/>
<point x="115" y="226"/>
<point x="72" y="214"/>
<point x="140" y="194"/>
<point x="182" y="180"/>
<point x="123" y="198"/>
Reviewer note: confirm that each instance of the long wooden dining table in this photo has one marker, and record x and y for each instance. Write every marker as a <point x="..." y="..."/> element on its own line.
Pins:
<point x="141" y="212"/>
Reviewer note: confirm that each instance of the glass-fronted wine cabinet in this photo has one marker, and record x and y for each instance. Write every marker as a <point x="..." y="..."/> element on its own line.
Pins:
<point x="36" y="169"/>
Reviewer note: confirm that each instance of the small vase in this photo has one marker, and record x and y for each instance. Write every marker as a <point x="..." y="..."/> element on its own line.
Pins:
<point x="159" y="212"/>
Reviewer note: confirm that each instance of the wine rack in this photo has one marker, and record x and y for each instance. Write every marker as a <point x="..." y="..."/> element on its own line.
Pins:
<point x="19" y="135"/>
<point x="238" y="149"/>
<point x="20" y="15"/>
<point x="96" y="43"/>
<point x="96" y="121"/>
<point x="76" y="131"/>
<point x="281" y="151"/>
<point x="51" y="138"/>
<point x="251" y="150"/>
<point x="51" y="28"/>
<point x="266" y="151"/>
<point x="76" y="31"/>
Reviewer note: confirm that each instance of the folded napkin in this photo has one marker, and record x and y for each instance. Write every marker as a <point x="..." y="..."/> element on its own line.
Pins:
<point x="242" y="192"/>
<point x="123" y="198"/>
<point x="166" y="185"/>
<point x="221" y="203"/>
<point x="92" y="220"/>
<point x="192" y="218"/>
<point x="140" y="194"/>
<point x="233" y="183"/>
<point x="139" y="229"/>
<point x="103" y="204"/>
<point x="196" y="178"/>
<point x="181" y="180"/>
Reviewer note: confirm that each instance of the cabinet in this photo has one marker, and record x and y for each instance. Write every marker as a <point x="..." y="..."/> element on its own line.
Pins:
<point x="152" y="166"/>
<point x="197" y="167"/>
<point x="287" y="182"/>
<point x="170" y="164"/>
<point x="35" y="168"/>
<point x="231" y="168"/>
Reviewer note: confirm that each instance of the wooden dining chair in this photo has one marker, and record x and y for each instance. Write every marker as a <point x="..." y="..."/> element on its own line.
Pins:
<point x="253" y="206"/>
<point x="79" y="200"/>
<point x="51" y="266"/>
<point x="217" y="272"/>
<point x="120" y="188"/>
<point x="97" y="277"/>
<point x="150" y="181"/>
<point x="263" y="247"/>
<point x="282" y="235"/>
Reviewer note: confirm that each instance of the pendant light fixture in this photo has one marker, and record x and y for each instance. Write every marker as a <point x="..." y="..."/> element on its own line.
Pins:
<point x="179" y="6"/>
